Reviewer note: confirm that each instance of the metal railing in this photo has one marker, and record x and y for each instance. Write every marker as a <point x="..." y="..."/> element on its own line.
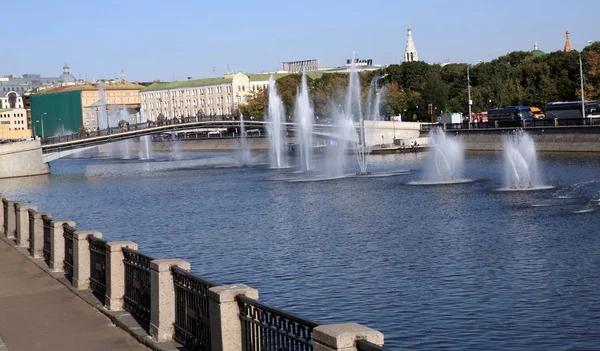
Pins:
<point x="192" y="319"/>
<point x="47" y="239"/>
<point x="364" y="345"/>
<point x="68" y="233"/>
<point x="98" y="267"/>
<point x="130" y="127"/>
<point x="267" y="328"/>
<point x="137" y="283"/>
<point x="31" y="231"/>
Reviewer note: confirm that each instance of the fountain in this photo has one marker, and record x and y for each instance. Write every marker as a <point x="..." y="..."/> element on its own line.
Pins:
<point x="144" y="144"/>
<point x="244" y="150"/>
<point x="445" y="162"/>
<point x="275" y="118"/>
<point x="304" y="115"/>
<point x="520" y="163"/>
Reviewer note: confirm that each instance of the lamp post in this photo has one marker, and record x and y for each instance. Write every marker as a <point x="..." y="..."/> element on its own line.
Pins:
<point x="42" y="123"/>
<point x="581" y="82"/>
<point x="469" y="93"/>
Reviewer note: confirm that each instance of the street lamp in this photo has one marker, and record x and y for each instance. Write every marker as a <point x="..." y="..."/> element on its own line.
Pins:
<point x="469" y="92"/>
<point x="42" y="122"/>
<point x="581" y="82"/>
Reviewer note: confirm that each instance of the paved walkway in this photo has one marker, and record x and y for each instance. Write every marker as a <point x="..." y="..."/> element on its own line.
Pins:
<point x="39" y="313"/>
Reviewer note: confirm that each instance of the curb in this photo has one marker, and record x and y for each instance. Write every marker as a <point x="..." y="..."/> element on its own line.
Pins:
<point x="122" y="319"/>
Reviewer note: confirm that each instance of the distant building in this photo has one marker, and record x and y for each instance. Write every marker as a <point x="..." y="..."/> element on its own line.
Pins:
<point x="410" y="53"/>
<point x="26" y="82"/>
<point x="536" y="52"/>
<point x="300" y="66"/>
<point x="568" y="46"/>
<point x="71" y="107"/>
<point x="208" y="96"/>
<point x="361" y="65"/>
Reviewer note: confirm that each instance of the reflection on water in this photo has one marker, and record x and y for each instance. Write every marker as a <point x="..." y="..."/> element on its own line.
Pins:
<point x="455" y="266"/>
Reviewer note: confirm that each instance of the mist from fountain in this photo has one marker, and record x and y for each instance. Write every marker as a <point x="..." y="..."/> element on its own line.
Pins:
<point x="304" y="115"/>
<point x="275" y="117"/>
<point x="520" y="162"/>
<point x="145" y="142"/>
<point x="446" y="161"/>
<point x="244" y="150"/>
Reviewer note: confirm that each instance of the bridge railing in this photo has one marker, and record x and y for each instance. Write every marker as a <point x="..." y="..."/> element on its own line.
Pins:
<point x="173" y="303"/>
<point x="128" y="127"/>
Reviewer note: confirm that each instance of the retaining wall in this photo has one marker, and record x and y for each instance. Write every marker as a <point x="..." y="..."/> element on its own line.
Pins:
<point x="21" y="159"/>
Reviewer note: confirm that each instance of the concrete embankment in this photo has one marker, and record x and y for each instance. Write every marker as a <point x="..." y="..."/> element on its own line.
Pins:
<point x="22" y="159"/>
<point x="561" y="139"/>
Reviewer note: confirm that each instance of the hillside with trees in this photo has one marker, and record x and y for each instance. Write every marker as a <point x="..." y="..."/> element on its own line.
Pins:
<point x="518" y="78"/>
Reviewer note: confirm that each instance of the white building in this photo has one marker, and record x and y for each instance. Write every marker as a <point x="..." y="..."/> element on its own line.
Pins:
<point x="208" y="96"/>
<point x="410" y="53"/>
<point x="12" y="112"/>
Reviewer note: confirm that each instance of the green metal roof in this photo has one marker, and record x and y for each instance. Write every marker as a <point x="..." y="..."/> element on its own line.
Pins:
<point x="187" y="83"/>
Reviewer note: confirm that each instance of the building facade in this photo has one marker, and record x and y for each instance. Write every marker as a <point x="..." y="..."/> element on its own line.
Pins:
<point x="300" y="66"/>
<point x="68" y="108"/>
<point x="205" y="97"/>
<point x="13" y="117"/>
<point x="410" y="52"/>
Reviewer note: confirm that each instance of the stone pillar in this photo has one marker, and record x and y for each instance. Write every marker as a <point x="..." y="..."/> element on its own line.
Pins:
<point x="10" y="220"/>
<point x="36" y="238"/>
<point x="57" y="246"/>
<point x="162" y="297"/>
<point x="81" y="258"/>
<point x="343" y="337"/>
<point x="225" y="324"/>
<point x="22" y="222"/>
<point x="115" y="273"/>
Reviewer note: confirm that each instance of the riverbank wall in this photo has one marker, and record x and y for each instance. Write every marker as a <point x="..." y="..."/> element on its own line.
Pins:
<point x="159" y="301"/>
<point x="559" y="139"/>
<point x="22" y="159"/>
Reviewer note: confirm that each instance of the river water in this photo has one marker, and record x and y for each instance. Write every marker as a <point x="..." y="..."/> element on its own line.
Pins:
<point x="439" y="267"/>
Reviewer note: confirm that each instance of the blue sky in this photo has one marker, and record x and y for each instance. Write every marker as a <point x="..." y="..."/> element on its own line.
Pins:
<point x="175" y="39"/>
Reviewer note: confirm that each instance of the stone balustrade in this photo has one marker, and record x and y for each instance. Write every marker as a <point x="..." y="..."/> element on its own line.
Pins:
<point x="221" y="322"/>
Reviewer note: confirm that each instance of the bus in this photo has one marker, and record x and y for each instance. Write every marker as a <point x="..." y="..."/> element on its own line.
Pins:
<point x="572" y="109"/>
<point x="509" y="116"/>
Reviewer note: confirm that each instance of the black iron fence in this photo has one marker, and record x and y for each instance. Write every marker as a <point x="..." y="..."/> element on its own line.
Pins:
<point x="137" y="283"/>
<point x="267" y="328"/>
<point x="68" y="234"/>
<point x="31" y="230"/>
<point x="192" y="319"/>
<point x="98" y="267"/>
<point x="47" y="239"/>
<point x="5" y="224"/>
<point x="364" y="345"/>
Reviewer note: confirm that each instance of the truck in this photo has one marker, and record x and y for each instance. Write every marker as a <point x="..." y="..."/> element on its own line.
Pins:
<point x="450" y="118"/>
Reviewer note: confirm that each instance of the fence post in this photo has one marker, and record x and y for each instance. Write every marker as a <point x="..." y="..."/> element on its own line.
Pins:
<point x="22" y="223"/>
<point x="115" y="273"/>
<point x="81" y="258"/>
<point x="225" y="324"/>
<point x="36" y="234"/>
<point x="9" y="218"/>
<point x="162" y="298"/>
<point x="57" y="244"/>
<point x="338" y="337"/>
